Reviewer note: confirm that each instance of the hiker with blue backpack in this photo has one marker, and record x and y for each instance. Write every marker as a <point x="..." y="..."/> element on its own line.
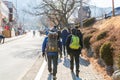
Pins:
<point x="73" y="46"/>
<point x="51" y="47"/>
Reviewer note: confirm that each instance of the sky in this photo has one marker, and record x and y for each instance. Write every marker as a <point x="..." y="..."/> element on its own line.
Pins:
<point x="21" y="4"/>
<point x="98" y="3"/>
<point x="105" y="3"/>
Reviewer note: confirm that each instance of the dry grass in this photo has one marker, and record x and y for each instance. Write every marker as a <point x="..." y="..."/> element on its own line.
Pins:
<point x="114" y="21"/>
<point x="111" y="25"/>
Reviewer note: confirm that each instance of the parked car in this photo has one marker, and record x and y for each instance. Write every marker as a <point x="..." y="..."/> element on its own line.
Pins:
<point x="117" y="12"/>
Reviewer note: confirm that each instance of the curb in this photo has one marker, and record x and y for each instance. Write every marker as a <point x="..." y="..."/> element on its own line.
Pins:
<point x="13" y="38"/>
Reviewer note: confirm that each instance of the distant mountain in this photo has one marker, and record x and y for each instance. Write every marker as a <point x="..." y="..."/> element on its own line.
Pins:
<point x="99" y="12"/>
<point x="117" y="12"/>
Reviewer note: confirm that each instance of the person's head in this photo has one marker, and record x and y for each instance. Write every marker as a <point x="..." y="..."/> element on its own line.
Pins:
<point x="74" y="31"/>
<point x="55" y="26"/>
<point x="76" y="27"/>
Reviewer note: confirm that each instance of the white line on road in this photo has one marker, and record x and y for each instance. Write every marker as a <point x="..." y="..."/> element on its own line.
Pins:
<point x="39" y="74"/>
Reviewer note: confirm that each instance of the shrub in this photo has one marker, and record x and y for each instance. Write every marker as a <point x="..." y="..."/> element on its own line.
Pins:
<point x="106" y="53"/>
<point x="96" y="47"/>
<point x="119" y="62"/>
<point x="93" y="39"/>
<point x="87" y="41"/>
<point x="88" y="22"/>
<point x="101" y="35"/>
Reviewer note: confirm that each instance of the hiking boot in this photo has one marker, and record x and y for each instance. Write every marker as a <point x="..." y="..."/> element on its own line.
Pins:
<point x="77" y="73"/>
<point x="50" y="71"/>
<point x="54" y="77"/>
<point x="71" y="70"/>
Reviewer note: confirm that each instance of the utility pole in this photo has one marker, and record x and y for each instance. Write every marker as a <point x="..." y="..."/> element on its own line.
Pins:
<point x="113" y="10"/>
<point x="81" y="10"/>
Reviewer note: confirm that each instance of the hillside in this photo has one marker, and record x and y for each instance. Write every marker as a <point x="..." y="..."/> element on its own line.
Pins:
<point x="110" y="22"/>
<point x="95" y="37"/>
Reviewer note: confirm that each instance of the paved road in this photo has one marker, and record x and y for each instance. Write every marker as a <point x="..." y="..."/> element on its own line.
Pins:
<point x="18" y="55"/>
<point x="19" y="61"/>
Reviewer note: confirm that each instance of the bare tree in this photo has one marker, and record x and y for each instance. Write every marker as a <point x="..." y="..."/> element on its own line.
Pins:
<point x="57" y="11"/>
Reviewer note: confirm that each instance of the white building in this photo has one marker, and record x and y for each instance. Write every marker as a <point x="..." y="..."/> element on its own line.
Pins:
<point x="85" y="11"/>
<point x="4" y="14"/>
<point x="12" y="11"/>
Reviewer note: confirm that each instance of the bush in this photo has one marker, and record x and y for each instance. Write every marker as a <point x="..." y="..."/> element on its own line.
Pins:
<point x="87" y="41"/>
<point x="102" y="35"/>
<point x="119" y="62"/>
<point x="106" y="53"/>
<point x="96" y="47"/>
<point x="88" y="22"/>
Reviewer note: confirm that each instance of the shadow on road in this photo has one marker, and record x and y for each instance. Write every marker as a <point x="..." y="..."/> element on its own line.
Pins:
<point x="84" y="62"/>
<point x="49" y="77"/>
<point x="74" y="76"/>
<point x="59" y="60"/>
<point x="66" y="62"/>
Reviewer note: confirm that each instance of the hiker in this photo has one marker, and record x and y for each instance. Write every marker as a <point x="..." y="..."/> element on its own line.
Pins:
<point x="2" y="38"/>
<point x="33" y="33"/>
<point x="60" y="43"/>
<point x="50" y="48"/>
<point x="73" y="46"/>
<point x="64" y="35"/>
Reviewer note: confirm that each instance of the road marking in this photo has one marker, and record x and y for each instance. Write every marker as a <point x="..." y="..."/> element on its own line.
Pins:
<point x="39" y="74"/>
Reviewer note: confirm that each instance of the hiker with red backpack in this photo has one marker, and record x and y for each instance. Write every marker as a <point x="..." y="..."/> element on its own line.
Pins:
<point x="73" y="46"/>
<point x="51" y="47"/>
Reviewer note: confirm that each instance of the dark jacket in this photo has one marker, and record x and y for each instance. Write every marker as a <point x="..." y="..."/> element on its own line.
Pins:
<point x="44" y="45"/>
<point x="81" y="38"/>
<point x="64" y="36"/>
<point x="2" y="37"/>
